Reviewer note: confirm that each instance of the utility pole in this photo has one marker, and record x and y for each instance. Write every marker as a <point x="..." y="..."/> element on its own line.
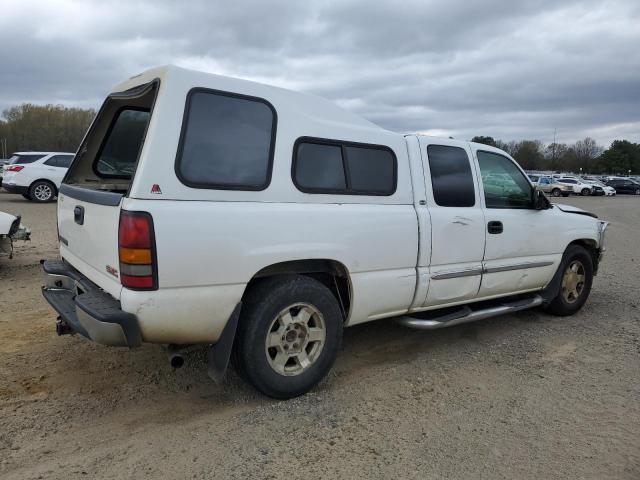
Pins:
<point x="554" y="150"/>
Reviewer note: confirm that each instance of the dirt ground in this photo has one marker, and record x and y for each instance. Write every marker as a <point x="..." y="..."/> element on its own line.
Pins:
<point x="521" y="396"/>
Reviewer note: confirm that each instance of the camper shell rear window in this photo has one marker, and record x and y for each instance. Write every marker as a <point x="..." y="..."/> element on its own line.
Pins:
<point x="109" y="154"/>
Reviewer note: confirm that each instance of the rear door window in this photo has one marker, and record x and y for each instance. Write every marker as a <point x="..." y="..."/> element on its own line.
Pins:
<point x="62" y="161"/>
<point x="227" y="141"/>
<point x="451" y="176"/>
<point x="119" y="152"/>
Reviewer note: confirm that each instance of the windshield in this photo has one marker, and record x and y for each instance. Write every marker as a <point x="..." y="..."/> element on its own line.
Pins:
<point x="119" y="153"/>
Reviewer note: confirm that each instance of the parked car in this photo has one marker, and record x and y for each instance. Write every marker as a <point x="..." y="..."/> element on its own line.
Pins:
<point x="600" y="188"/>
<point x="36" y="175"/>
<point x="11" y="229"/>
<point x="578" y="185"/>
<point x="625" y="186"/>
<point x="3" y="162"/>
<point x="548" y="185"/>
<point x="282" y="219"/>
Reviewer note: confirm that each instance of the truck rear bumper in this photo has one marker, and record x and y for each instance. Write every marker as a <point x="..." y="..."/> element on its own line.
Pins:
<point x="86" y="309"/>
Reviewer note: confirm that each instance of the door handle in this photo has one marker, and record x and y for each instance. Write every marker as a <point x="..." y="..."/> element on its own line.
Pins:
<point x="78" y="215"/>
<point x="494" y="227"/>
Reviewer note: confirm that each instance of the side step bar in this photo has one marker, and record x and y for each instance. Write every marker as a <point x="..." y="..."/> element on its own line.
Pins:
<point x="466" y="314"/>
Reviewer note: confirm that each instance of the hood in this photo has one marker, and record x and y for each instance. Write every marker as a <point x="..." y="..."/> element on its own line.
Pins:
<point x="10" y="225"/>
<point x="6" y="222"/>
<point x="572" y="209"/>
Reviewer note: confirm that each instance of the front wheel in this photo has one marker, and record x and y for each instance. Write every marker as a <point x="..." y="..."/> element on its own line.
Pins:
<point x="637" y="192"/>
<point x="289" y="335"/>
<point x="556" y="192"/>
<point x="585" y="192"/>
<point x="577" y="278"/>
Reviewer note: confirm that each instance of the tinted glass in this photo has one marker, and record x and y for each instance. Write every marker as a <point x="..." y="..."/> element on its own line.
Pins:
<point x="319" y="167"/>
<point x="451" y="176"/>
<point x="119" y="153"/>
<point x="227" y="142"/>
<point x="504" y="184"/>
<point x="371" y="170"/>
<point x="60" y="161"/>
<point x="544" y="181"/>
<point x="22" y="159"/>
<point x="64" y="161"/>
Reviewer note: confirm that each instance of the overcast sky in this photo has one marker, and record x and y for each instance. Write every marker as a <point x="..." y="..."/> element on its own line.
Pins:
<point x="509" y="69"/>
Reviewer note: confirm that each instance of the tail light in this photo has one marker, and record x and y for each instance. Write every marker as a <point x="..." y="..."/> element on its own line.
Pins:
<point x="15" y="168"/>
<point x="137" y="250"/>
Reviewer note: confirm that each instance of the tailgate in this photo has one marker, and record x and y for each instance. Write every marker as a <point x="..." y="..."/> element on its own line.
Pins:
<point x="88" y="230"/>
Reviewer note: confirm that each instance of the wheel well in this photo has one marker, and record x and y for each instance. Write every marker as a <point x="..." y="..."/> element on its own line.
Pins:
<point x="55" y="189"/>
<point x="591" y="247"/>
<point x="334" y="275"/>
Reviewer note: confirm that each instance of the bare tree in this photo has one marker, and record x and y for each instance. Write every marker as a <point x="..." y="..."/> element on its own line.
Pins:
<point x="586" y="151"/>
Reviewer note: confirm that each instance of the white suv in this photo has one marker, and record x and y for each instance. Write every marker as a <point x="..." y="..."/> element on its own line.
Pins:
<point x="578" y="185"/>
<point x="36" y="175"/>
<point x="203" y="209"/>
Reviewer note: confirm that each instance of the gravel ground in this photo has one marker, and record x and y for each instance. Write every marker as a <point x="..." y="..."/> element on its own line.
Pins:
<point x="521" y="396"/>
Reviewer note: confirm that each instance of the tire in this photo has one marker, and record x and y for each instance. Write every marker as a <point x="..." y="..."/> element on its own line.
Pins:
<point x="42" y="191"/>
<point x="24" y="195"/>
<point x="565" y="194"/>
<point x="585" y="192"/>
<point x="267" y="352"/>
<point x="565" y="303"/>
<point x="637" y="192"/>
<point x="556" y="192"/>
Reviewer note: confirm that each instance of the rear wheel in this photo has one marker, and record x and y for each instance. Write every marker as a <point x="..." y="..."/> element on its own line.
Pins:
<point x="289" y="334"/>
<point x="42" y="191"/>
<point x="637" y="192"/>
<point x="556" y="192"/>
<point x="585" y="192"/>
<point x="577" y="278"/>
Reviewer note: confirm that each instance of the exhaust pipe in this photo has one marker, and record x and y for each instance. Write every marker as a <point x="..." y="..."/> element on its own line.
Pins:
<point x="175" y="356"/>
<point x="176" y="360"/>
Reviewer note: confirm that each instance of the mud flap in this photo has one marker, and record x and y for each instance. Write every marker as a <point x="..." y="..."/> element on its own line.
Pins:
<point x="553" y="287"/>
<point x="220" y="353"/>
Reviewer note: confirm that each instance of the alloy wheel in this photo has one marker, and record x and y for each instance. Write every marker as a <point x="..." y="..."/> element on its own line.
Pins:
<point x="295" y="339"/>
<point x="573" y="281"/>
<point x="43" y="192"/>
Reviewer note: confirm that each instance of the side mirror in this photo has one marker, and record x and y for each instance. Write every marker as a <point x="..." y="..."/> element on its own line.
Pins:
<point x="540" y="200"/>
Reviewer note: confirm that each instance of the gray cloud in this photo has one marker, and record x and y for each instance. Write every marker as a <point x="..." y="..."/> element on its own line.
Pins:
<point x="508" y="69"/>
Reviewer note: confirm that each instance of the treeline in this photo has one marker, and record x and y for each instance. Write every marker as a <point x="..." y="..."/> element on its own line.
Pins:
<point x="43" y="128"/>
<point x="621" y="158"/>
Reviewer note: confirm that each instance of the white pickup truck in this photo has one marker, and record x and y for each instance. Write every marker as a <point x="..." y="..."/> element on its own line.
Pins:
<point x="202" y="209"/>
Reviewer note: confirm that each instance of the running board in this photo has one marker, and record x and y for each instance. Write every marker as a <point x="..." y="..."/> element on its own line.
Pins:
<point x="466" y="314"/>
